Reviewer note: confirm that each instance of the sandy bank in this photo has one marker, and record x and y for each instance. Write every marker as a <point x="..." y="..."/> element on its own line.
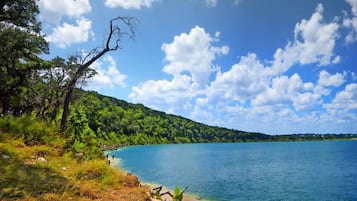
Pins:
<point x="114" y="162"/>
<point x="186" y="197"/>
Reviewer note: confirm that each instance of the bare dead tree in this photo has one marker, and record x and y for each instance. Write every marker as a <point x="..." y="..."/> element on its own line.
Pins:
<point x="112" y="43"/>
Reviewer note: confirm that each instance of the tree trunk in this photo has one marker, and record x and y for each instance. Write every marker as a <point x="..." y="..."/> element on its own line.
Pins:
<point x="72" y="84"/>
<point x="65" y="112"/>
<point x="114" y="30"/>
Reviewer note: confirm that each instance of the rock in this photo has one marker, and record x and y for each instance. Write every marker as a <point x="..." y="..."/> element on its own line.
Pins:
<point x="131" y="180"/>
<point x="42" y="159"/>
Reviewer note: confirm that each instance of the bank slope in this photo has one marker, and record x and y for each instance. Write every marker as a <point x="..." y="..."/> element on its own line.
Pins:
<point x="126" y="123"/>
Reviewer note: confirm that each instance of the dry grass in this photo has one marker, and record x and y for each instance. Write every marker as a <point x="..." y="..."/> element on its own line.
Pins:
<point x="39" y="172"/>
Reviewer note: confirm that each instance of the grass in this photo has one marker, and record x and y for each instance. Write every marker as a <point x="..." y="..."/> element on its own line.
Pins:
<point x="35" y="167"/>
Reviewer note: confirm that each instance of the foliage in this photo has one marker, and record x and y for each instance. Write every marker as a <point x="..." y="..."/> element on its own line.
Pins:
<point x="42" y="171"/>
<point x="178" y="194"/>
<point x="20" y="44"/>
<point x="110" y="122"/>
<point x="20" y="13"/>
<point x="29" y="129"/>
<point x="118" y="122"/>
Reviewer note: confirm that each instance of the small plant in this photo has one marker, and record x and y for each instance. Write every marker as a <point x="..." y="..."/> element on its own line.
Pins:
<point x="178" y="194"/>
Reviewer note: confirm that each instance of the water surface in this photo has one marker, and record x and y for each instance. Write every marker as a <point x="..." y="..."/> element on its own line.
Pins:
<point x="250" y="171"/>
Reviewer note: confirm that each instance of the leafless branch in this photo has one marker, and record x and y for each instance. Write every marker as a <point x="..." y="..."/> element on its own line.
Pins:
<point x="112" y="43"/>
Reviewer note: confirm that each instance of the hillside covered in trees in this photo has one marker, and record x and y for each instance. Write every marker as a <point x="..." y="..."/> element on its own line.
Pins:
<point x="117" y="121"/>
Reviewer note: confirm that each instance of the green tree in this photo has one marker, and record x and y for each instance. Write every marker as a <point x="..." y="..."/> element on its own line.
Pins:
<point x="20" y="44"/>
<point x="20" y="13"/>
<point x="81" y="64"/>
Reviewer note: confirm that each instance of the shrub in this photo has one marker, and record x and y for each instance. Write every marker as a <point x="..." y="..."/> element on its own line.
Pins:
<point x="30" y="129"/>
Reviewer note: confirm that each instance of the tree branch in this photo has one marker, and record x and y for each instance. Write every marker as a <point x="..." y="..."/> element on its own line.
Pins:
<point x="94" y="55"/>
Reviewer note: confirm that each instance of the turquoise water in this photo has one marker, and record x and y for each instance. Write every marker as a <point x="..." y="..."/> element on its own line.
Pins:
<point x="250" y="171"/>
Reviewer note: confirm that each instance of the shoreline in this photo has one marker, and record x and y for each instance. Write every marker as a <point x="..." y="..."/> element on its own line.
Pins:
<point x="186" y="196"/>
<point x="114" y="163"/>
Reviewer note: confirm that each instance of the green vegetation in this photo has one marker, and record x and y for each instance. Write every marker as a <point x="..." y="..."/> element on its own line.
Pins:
<point x="34" y="165"/>
<point x="116" y="121"/>
<point x="312" y="137"/>
<point x="178" y="193"/>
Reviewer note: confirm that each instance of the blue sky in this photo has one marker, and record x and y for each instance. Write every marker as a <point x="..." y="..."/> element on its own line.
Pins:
<point x="272" y="66"/>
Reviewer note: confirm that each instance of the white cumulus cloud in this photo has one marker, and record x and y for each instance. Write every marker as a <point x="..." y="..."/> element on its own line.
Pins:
<point x="53" y="10"/>
<point x="132" y="4"/>
<point x="68" y="34"/>
<point x="343" y="108"/>
<point x="211" y="3"/>
<point x="167" y="95"/>
<point x="192" y="53"/>
<point x="314" y="43"/>
<point x="190" y="63"/>
<point x="108" y="75"/>
<point x="242" y="82"/>
<point x="351" y="22"/>
<point x="326" y="79"/>
<point x="285" y="91"/>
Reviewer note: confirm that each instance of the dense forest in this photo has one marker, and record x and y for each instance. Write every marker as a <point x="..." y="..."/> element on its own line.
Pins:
<point x="119" y="122"/>
<point x="125" y="123"/>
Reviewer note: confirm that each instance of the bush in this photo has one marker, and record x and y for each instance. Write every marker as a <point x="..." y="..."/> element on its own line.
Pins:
<point x="30" y="129"/>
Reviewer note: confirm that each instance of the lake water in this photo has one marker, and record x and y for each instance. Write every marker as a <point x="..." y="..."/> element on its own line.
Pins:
<point x="250" y="171"/>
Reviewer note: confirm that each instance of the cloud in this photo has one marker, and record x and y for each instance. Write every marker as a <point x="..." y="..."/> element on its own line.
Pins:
<point x="326" y="79"/>
<point x="53" y="10"/>
<point x="243" y="81"/>
<point x="190" y="63"/>
<point x="168" y="95"/>
<point x="132" y="4"/>
<point x="343" y="108"/>
<point x="211" y="3"/>
<point x="351" y="22"/>
<point x="192" y="53"/>
<point x="68" y="34"/>
<point x="285" y="91"/>
<point x="314" y="43"/>
<point x="108" y="75"/>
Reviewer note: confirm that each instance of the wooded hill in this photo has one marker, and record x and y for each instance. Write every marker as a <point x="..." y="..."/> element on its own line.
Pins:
<point x="120" y="122"/>
<point x="117" y="122"/>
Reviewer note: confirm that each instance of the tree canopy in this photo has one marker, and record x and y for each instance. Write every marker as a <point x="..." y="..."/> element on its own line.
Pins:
<point x="20" y="44"/>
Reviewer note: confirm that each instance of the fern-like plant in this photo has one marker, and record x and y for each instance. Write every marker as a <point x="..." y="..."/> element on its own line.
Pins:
<point x="178" y="194"/>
